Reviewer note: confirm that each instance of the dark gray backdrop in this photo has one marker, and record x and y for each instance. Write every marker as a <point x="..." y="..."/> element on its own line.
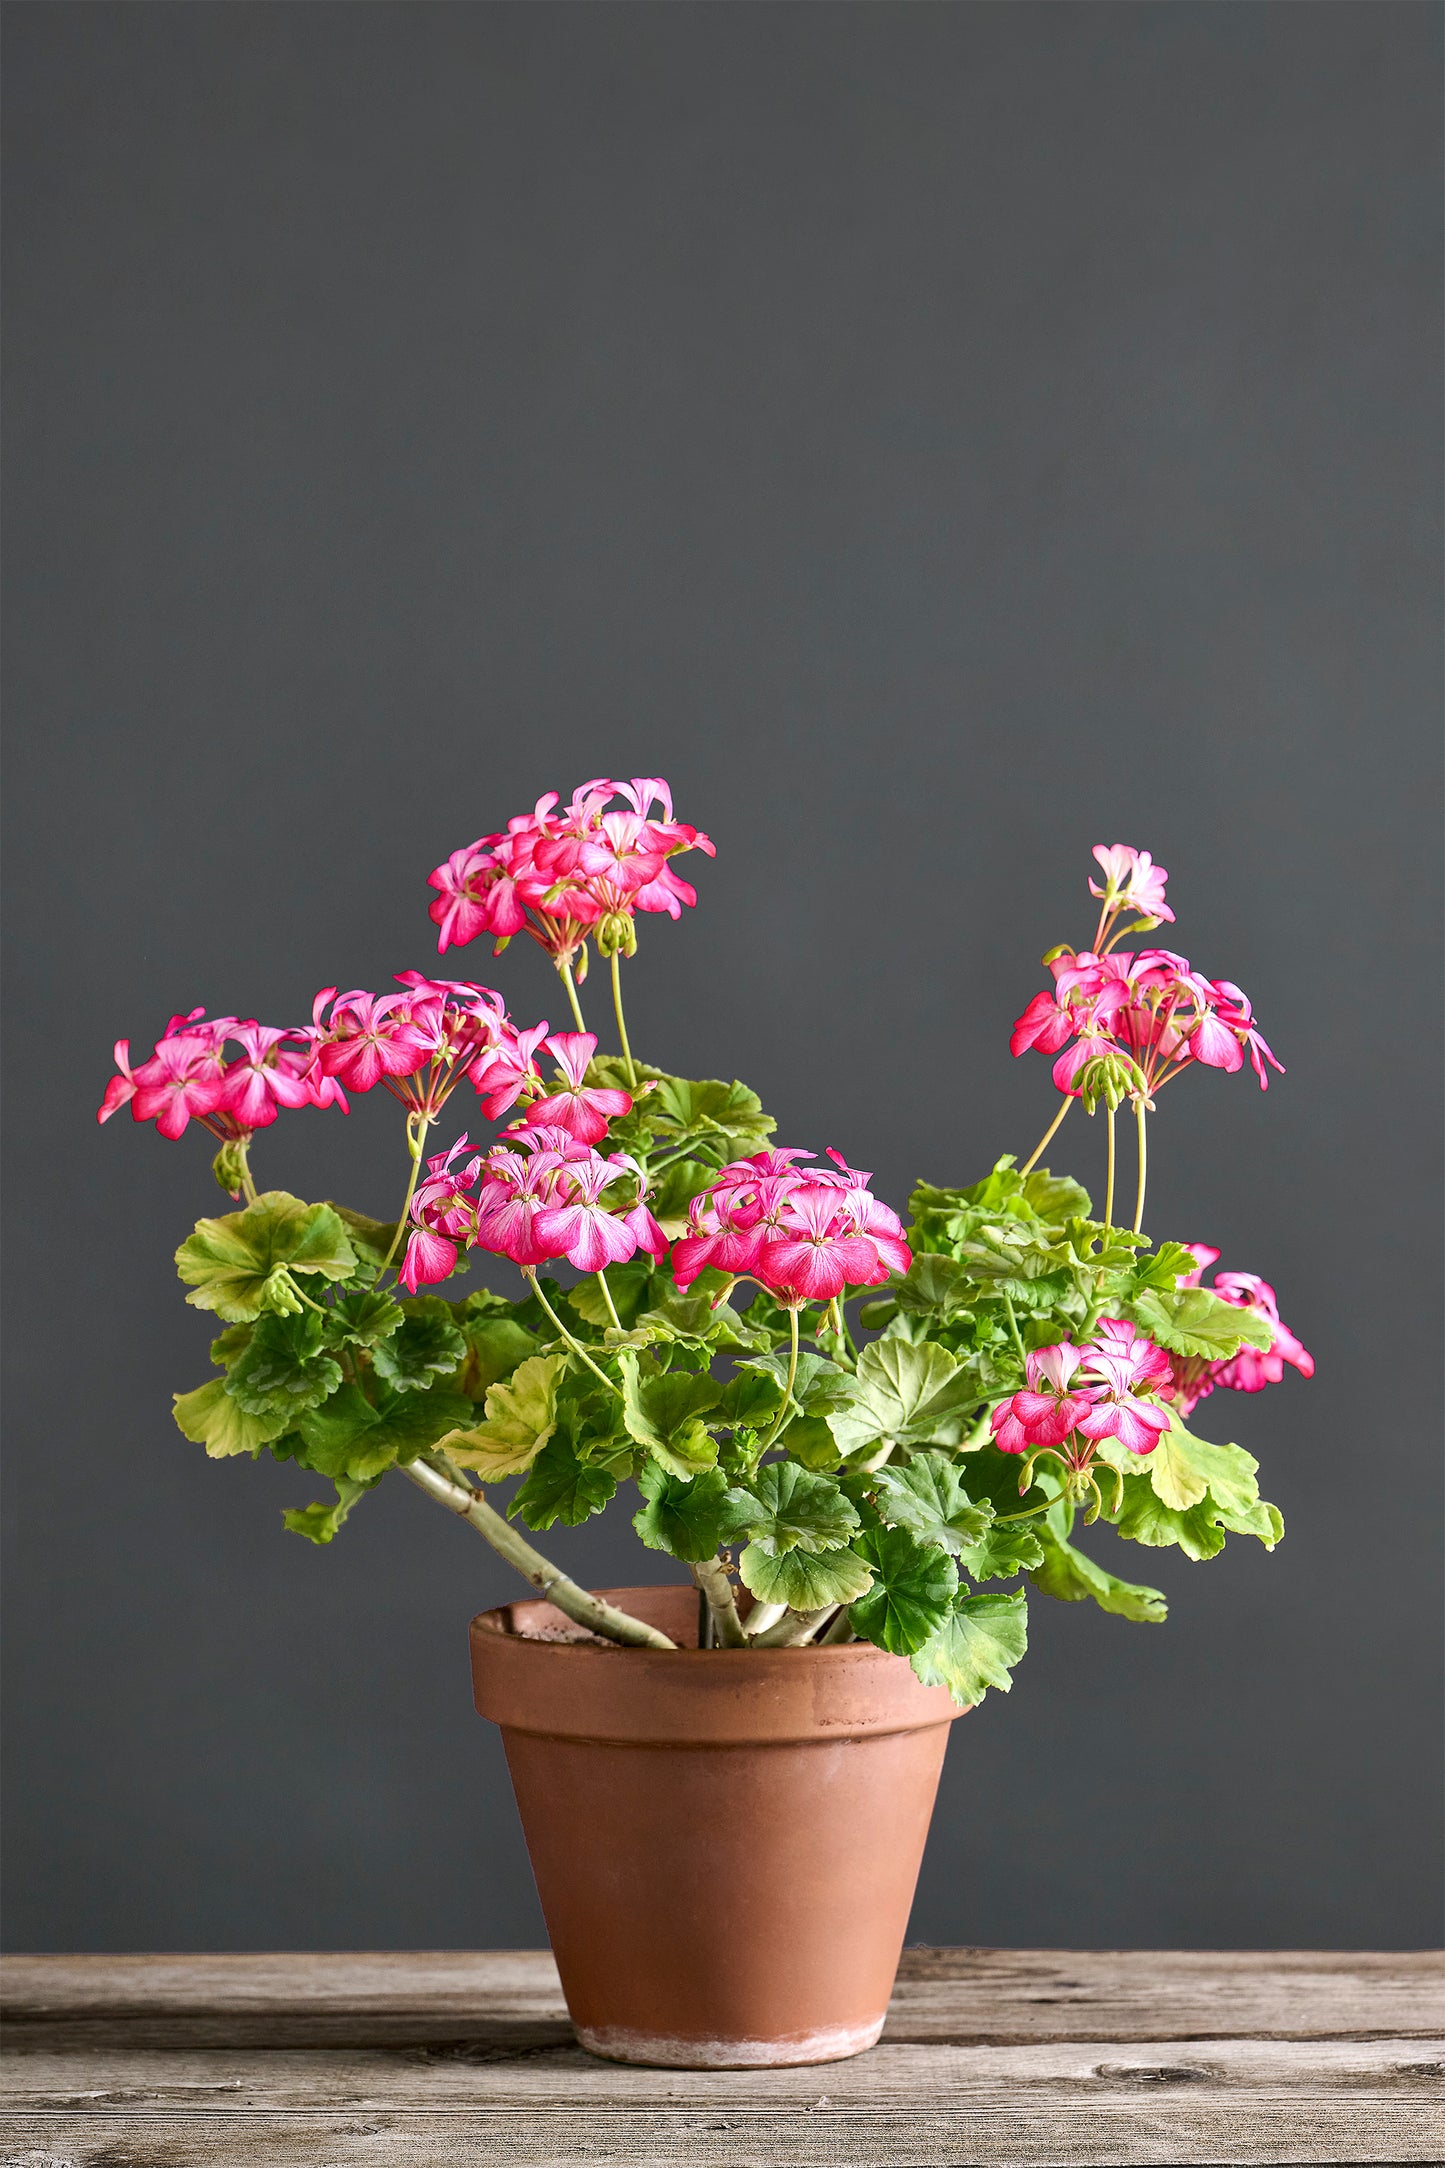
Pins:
<point x="939" y="439"/>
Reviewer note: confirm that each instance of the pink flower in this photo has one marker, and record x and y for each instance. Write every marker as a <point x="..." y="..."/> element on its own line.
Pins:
<point x="184" y="1078"/>
<point x="584" y="1109"/>
<point x="501" y="1073"/>
<point x="821" y="1252"/>
<point x="1048" y="1408"/>
<point x="1253" y="1368"/>
<point x="1132" y="882"/>
<point x="580" y="1229"/>
<point x="805" y="1235"/>
<point x="557" y="875"/>
<point x="429" y="1257"/>
<point x="370" y="1037"/>
<point x="1121" y="1367"/>
<point x="269" y="1075"/>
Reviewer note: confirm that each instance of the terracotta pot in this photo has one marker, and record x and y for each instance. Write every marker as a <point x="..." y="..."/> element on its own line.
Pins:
<point x="725" y="1841"/>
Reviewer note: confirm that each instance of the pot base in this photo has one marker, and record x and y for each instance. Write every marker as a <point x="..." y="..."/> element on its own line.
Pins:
<point x="832" y="2044"/>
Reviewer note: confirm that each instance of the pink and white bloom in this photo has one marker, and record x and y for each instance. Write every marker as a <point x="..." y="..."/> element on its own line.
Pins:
<point x="1047" y="1409"/>
<point x="584" y="1109"/>
<point x="579" y="1227"/>
<point x="1132" y="881"/>
<point x="269" y="1075"/>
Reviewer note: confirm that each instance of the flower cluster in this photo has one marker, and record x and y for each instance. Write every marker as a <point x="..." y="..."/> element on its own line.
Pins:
<point x="419" y="1043"/>
<point x="1142" y="1016"/>
<point x="562" y="875"/>
<point x="188" y="1078"/>
<point x="804" y="1233"/>
<point x="1252" y="1368"/>
<point x="1108" y="1388"/>
<point x="542" y="1191"/>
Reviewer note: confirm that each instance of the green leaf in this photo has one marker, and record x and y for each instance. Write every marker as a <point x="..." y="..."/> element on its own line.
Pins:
<point x="693" y="1320"/>
<point x="820" y="1387"/>
<point x="907" y="1394"/>
<point x="283" y="1371"/>
<point x="748" y="1400"/>
<point x="789" y="1508"/>
<point x="495" y="1347"/>
<point x="691" y="1518"/>
<point x="1192" y="1321"/>
<point x="231" y="1262"/>
<point x="976" y="1647"/>
<point x="1057" y="1198"/>
<point x="1143" y="1519"/>
<point x="929" y="1500"/>
<point x="1071" y="1577"/>
<point x="319" y="1523"/>
<point x="662" y="1413"/>
<point x="425" y="1347"/>
<point x="521" y="1414"/>
<point x="210" y="1417"/>
<point x="347" y="1436"/>
<point x="707" y="1108"/>
<point x="560" y="1487"/>
<point x="630" y="1285"/>
<point x="807" y="1580"/>
<point x="912" y="1594"/>
<point x="935" y="1286"/>
<point x="678" y="1184"/>
<point x="363" y="1317"/>
<point x="810" y="1439"/>
<point x="370" y="1238"/>
<point x="1002" y="1551"/>
<point x="229" y="1344"/>
<point x="1182" y="1468"/>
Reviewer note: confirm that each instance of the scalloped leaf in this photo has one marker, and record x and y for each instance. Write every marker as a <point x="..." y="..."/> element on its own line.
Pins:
<point x="521" y="1415"/>
<point x="929" y="1500"/>
<point x="912" y="1594"/>
<point x="806" y="1580"/>
<point x="210" y="1417"/>
<point x="232" y="1263"/>
<point x="976" y="1647"/>
<point x="1071" y="1577"/>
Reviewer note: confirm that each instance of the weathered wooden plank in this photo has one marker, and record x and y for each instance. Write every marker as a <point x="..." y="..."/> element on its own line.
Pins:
<point x="512" y="1998"/>
<point x="1232" y="2101"/>
<point x="997" y="2057"/>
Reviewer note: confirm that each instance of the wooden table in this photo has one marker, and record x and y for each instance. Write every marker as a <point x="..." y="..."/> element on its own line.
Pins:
<point x="990" y="2056"/>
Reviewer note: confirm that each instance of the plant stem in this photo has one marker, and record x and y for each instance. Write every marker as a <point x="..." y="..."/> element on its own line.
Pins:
<point x="711" y="1577"/>
<point x="564" y="972"/>
<point x="1142" y="1119"/>
<point x="782" y="1414"/>
<point x="1109" y="1187"/>
<point x="576" y="1346"/>
<point x="796" y="1627"/>
<point x="1013" y="1326"/>
<point x="414" y="1146"/>
<point x="761" y="1617"/>
<point x="839" y="1628"/>
<point x="601" y="1279"/>
<point x="548" y="1580"/>
<point x="617" y="1011"/>
<point x="1043" y="1143"/>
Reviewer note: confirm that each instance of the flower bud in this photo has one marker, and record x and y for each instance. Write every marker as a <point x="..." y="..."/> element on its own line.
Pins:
<point x="229" y="1165"/>
<point x="616" y="934"/>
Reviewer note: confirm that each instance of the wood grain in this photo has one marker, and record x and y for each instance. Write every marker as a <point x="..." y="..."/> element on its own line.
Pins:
<point x="990" y="2057"/>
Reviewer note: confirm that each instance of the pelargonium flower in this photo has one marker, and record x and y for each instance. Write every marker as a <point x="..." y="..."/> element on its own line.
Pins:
<point x="1050" y="1405"/>
<point x="182" y="1081"/>
<point x="1195" y="1378"/>
<point x="805" y="1234"/>
<point x="270" y="1074"/>
<point x="1132" y="882"/>
<point x="583" y="1109"/>
<point x="558" y="876"/>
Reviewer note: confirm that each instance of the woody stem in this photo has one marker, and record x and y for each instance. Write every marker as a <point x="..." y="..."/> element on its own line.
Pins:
<point x="548" y="1580"/>
<point x="711" y="1576"/>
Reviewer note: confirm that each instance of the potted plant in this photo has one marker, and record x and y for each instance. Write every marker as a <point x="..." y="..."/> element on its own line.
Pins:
<point x="858" y="1439"/>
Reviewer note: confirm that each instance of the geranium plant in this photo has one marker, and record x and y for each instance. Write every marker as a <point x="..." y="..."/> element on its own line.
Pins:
<point x="841" y="1426"/>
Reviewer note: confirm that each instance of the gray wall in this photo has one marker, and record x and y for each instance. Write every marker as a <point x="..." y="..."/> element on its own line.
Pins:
<point x="939" y="438"/>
